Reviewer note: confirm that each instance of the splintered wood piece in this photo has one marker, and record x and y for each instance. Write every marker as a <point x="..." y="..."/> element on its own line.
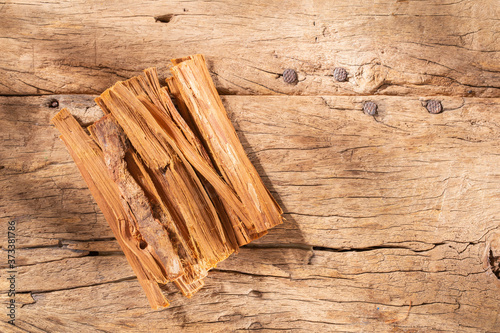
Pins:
<point x="89" y="160"/>
<point x="236" y="230"/>
<point x="166" y="134"/>
<point x="114" y="145"/>
<point x="218" y="134"/>
<point x="173" y="88"/>
<point x="162" y="108"/>
<point x="178" y="184"/>
<point x="187" y="283"/>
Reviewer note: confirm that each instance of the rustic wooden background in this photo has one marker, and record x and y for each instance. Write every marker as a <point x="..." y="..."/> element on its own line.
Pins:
<point x="392" y="221"/>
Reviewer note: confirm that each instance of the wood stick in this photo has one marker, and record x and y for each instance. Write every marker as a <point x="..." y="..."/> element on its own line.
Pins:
<point x="114" y="145"/>
<point x="201" y="97"/>
<point x="176" y="187"/>
<point x="89" y="160"/>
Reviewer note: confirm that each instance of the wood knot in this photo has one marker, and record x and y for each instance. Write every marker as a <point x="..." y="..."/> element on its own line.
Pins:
<point x="255" y="326"/>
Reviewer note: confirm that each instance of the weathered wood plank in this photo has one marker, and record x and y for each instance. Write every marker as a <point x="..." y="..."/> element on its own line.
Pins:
<point x="447" y="48"/>
<point x="41" y="187"/>
<point x="38" y="255"/>
<point x="278" y="289"/>
<point x="97" y="246"/>
<point x="345" y="179"/>
<point x="69" y="273"/>
<point x="404" y="176"/>
<point x="382" y="212"/>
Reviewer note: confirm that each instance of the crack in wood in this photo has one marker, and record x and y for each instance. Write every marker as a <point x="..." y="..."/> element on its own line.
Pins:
<point x="38" y="292"/>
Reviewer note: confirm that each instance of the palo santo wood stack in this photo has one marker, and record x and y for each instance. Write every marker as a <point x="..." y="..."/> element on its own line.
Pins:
<point x="174" y="184"/>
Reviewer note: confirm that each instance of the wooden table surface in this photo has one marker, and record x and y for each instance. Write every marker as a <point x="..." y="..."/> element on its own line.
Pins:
<point x="392" y="221"/>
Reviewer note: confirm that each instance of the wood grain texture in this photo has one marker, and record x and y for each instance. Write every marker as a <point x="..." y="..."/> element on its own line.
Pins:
<point x="402" y="171"/>
<point x="382" y="212"/>
<point x="388" y="47"/>
<point x="270" y="289"/>
<point x="390" y="220"/>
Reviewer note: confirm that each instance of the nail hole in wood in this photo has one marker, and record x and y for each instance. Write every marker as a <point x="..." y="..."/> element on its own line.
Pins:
<point x="142" y="245"/>
<point x="255" y="293"/>
<point x="164" y="18"/>
<point x="53" y="103"/>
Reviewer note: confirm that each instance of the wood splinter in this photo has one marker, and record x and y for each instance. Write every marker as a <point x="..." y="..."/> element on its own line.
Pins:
<point x="175" y="185"/>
